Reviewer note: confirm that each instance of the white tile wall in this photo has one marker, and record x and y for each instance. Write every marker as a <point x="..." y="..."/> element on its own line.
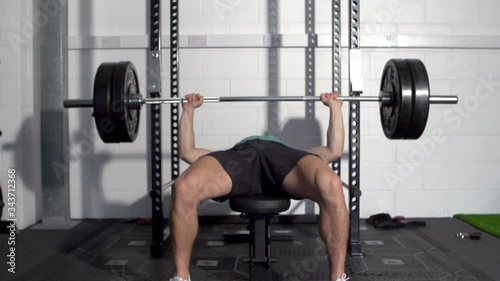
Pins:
<point x="401" y="176"/>
<point x="10" y="121"/>
<point x="487" y="176"/>
<point x="425" y="29"/>
<point x="485" y="116"/>
<point x="452" y="176"/>
<point x="8" y="61"/>
<point x="378" y="28"/>
<point x="11" y="154"/>
<point x="378" y="59"/>
<point x="411" y="203"/>
<point x="452" y="64"/>
<point x="323" y="12"/>
<point x="393" y="11"/>
<point x="107" y="17"/>
<point x="242" y="121"/>
<point x="10" y="30"/>
<point x="9" y="89"/>
<point x="377" y="150"/>
<point x="223" y="12"/>
<point x="381" y="202"/>
<point x="10" y="7"/>
<point x="488" y="12"/>
<point x="191" y="64"/>
<point x="446" y="203"/>
<point x="490" y="151"/>
<point x="323" y="68"/>
<point x="292" y="64"/>
<point x="455" y="120"/>
<point x="249" y="87"/>
<point x="428" y="148"/>
<point x="465" y="149"/>
<point x="292" y="11"/>
<point x="223" y="64"/>
<point x="465" y="201"/>
<point x="214" y="142"/>
<point x="489" y="62"/>
<point x="479" y="29"/>
<point x="452" y="11"/>
<point x="370" y="122"/>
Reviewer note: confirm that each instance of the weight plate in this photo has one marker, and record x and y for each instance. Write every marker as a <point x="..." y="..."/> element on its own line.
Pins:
<point x="103" y="83"/>
<point x="396" y="80"/>
<point x="125" y="84"/>
<point x="421" y="90"/>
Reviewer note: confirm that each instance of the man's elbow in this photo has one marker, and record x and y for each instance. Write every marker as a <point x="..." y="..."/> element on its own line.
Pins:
<point x="334" y="155"/>
<point x="186" y="156"/>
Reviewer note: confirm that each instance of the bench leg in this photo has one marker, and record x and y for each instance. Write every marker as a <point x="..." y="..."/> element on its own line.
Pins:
<point x="260" y="250"/>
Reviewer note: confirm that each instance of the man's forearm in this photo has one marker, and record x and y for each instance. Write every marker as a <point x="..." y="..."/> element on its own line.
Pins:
<point x="186" y="133"/>
<point x="335" y="134"/>
<point x="187" y="149"/>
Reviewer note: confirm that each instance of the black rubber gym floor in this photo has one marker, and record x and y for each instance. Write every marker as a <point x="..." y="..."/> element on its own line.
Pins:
<point x="111" y="250"/>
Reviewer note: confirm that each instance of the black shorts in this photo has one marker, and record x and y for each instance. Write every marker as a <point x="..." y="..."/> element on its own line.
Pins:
<point x="258" y="167"/>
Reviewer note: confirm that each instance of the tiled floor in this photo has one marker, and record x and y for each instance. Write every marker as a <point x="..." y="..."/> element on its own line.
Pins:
<point x="116" y="251"/>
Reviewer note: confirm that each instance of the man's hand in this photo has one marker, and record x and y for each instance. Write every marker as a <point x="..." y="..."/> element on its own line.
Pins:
<point x="330" y="100"/>
<point x="193" y="101"/>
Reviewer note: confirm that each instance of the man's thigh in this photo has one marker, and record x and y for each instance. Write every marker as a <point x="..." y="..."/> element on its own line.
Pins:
<point x="301" y="182"/>
<point x="207" y="178"/>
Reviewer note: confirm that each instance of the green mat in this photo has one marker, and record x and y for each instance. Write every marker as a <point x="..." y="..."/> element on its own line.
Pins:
<point x="487" y="223"/>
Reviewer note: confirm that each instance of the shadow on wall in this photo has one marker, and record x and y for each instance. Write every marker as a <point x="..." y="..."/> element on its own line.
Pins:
<point x="302" y="133"/>
<point x="23" y="149"/>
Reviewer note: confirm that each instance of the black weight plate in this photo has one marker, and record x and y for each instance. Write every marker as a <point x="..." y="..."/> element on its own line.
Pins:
<point x="421" y="103"/>
<point x="103" y="83"/>
<point x="396" y="118"/>
<point x="125" y="83"/>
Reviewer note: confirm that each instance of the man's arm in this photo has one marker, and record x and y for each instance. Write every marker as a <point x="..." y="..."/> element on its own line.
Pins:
<point x="335" y="133"/>
<point x="188" y="151"/>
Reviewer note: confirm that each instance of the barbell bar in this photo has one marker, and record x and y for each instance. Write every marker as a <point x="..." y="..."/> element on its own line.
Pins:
<point x="385" y="100"/>
<point x="404" y="100"/>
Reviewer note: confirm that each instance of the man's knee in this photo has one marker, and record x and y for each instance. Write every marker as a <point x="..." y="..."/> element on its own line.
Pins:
<point x="329" y="185"/>
<point x="186" y="191"/>
<point x="191" y="188"/>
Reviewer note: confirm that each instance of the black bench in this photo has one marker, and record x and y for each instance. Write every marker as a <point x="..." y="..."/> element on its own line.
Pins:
<point x="259" y="210"/>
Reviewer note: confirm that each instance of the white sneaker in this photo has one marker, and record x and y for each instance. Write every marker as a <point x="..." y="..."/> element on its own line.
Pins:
<point x="177" y="278"/>
<point x="342" y="278"/>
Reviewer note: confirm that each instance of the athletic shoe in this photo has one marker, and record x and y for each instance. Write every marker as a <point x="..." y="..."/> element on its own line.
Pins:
<point x="342" y="278"/>
<point x="177" y="278"/>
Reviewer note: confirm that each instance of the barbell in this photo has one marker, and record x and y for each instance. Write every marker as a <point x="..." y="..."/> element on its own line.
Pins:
<point x="404" y="100"/>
